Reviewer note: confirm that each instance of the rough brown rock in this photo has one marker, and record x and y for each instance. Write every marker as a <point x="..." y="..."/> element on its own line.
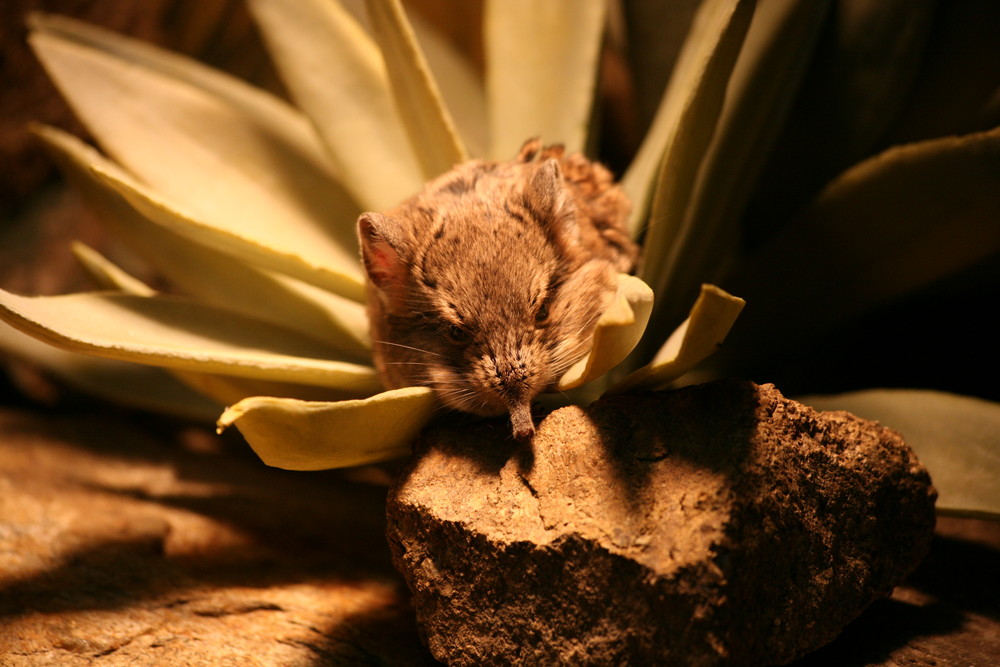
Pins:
<point x="716" y="524"/>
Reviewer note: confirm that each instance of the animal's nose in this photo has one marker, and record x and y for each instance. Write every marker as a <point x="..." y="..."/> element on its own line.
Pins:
<point x="520" y="419"/>
<point x="512" y="373"/>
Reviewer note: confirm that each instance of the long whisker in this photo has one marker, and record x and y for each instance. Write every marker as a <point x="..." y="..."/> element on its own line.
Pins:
<point x="408" y="347"/>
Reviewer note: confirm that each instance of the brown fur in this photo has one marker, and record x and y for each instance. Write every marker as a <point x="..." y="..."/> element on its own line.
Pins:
<point x="488" y="283"/>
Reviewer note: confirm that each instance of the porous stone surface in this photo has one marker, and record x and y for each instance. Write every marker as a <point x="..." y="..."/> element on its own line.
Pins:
<point x="718" y="524"/>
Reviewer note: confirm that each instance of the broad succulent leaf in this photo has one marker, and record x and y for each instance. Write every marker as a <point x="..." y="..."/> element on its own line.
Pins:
<point x="541" y="71"/>
<point x="685" y="121"/>
<point x="222" y="388"/>
<point x="886" y="227"/>
<point x="700" y="238"/>
<point x="461" y="86"/>
<point x="336" y="74"/>
<point x="428" y="123"/>
<point x="212" y="276"/>
<point x="230" y="389"/>
<point x="956" y="437"/>
<point x="303" y="254"/>
<point x="106" y="274"/>
<point x="234" y="157"/>
<point x="457" y="77"/>
<point x="182" y="334"/>
<point x="305" y="435"/>
<point x="134" y="385"/>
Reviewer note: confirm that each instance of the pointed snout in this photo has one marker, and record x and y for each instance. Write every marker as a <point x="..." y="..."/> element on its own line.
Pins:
<point x="520" y="419"/>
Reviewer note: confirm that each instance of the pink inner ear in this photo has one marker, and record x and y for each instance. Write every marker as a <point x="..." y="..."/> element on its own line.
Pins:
<point x="383" y="264"/>
<point x="382" y="261"/>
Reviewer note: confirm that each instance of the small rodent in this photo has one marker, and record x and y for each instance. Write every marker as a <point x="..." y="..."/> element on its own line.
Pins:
<point x="487" y="285"/>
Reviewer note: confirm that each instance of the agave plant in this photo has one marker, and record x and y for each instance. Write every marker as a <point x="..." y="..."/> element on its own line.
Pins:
<point x="246" y="205"/>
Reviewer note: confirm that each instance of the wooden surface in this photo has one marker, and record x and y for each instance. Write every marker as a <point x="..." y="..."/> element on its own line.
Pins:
<point x="126" y="540"/>
<point x="125" y="543"/>
<point x="948" y="613"/>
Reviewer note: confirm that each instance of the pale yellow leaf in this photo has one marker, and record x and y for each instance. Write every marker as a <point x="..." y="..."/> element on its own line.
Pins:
<point x="307" y="257"/>
<point x="106" y="274"/>
<point x="302" y="435"/>
<point x="120" y="382"/>
<point x="956" y="437"/>
<point x="457" y="77"/>
<point x="461" y="86"/>
<point x="224" y="389"/>
<point x="182" y="334"/>
<point x="210" y="275"/>
<point x="685" y="121"/>
<point x="235" y="156"/>
<point x="428" y="123"/>
<point x="335" y="72"/>
<point x="228" y="389"/>
<point x="696" y="339"/>
<point x="541" y="71"/>
<point x="618" y="331"/>
<point x="221" y="388"/>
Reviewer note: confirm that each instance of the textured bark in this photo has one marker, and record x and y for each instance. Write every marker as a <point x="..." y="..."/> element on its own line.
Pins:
<point x="715" y="524"/>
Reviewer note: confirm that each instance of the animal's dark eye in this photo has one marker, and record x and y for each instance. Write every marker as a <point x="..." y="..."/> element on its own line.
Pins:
<point x="456" y="334"/>
<point x="542" y="314"/>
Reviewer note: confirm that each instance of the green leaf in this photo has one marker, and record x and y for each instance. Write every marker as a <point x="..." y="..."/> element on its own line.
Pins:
<point x="699" y="238"/>
<point x="182" y="334"/>
<point x="418" y="100"/>
<point x="301" y="435"/>
<point x="887" y="227"/>
<point x="696" y="339"/>
<point x="684" y="124"/>
<point x="956" y="437"/>
<point x="229" y="154"/>
<point x="655" y="31"/>
<point x="541" y="71"/>
<point x="618" y="331"/>
<point x="212" y="276"/>
<point x="337" y="76"/>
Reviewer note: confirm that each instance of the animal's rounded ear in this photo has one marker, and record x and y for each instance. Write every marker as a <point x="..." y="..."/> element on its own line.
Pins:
<point x="546" y="189"/>
<point x="546" y="193"/>
<point x="383" y="250"/>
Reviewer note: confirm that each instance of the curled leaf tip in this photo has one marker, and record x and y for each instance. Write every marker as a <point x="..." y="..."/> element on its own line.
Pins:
<point x="711" y="318"/>
<point x="618" y="332"/>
